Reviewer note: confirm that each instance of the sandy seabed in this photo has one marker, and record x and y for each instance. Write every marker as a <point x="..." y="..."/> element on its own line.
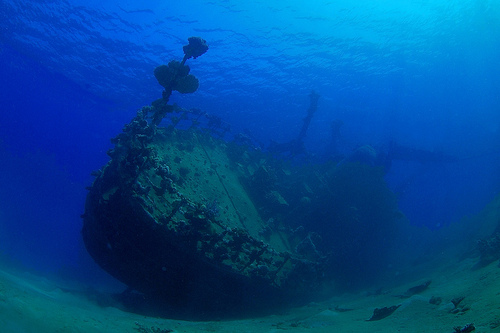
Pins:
<point x="30" y="303"/>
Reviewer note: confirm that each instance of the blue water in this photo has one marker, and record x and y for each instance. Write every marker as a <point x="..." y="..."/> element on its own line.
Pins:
<point x="424" y="74"/>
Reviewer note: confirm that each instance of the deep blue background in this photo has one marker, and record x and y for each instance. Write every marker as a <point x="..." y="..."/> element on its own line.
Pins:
<point x="72" y="74"/>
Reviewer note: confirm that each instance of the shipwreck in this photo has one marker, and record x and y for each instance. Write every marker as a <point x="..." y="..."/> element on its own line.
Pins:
<point x="199" y="222"/>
